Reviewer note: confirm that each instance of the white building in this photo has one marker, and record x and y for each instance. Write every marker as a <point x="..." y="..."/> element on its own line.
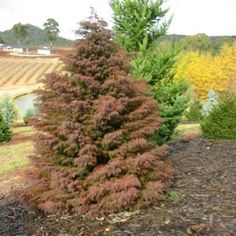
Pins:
<point x="7" y="48"/>
<point x="18" y="49"/>
<point x="44" y="51"/>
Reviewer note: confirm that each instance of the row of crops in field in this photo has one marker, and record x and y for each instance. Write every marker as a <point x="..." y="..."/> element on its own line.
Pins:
<point x="16" y="72"/>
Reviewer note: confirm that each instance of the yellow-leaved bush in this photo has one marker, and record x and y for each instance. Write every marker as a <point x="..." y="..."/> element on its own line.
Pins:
<point x="205" y="71"/>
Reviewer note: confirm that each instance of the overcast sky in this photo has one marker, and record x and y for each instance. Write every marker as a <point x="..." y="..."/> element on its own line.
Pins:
<point x="213" y="17"/>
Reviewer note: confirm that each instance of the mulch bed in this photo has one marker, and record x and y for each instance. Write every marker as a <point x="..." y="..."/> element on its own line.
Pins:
<point x="202" y="201"/>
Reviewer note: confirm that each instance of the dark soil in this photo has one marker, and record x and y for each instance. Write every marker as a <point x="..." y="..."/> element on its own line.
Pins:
<point x="202" y="201"/>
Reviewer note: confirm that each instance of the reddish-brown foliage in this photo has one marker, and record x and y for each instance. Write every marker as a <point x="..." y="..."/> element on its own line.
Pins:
<point x="93" y="155"/>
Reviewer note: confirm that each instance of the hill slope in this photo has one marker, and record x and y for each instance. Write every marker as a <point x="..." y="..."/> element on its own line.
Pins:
<point x="214" y="39"/>
<point x="35" y="37"/>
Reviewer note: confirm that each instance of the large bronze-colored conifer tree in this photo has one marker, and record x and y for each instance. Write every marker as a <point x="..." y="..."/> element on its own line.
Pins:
<point x="93" y="155"/>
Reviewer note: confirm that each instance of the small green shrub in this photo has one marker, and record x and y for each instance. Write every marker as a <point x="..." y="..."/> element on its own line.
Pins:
<point x="8" y="110"/>
<point x="221" y="122"/>
<point x="5" y="132"/>
<point x="194" y="113"/>
<point x="30" y="113"/>
<point x="173" y="100"/>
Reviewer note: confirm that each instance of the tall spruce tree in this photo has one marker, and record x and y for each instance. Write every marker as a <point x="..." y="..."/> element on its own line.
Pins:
<point x="138" y="24"/>
<point x="93" y="155"/>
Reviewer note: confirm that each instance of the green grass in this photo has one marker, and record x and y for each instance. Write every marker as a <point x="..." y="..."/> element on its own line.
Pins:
<point x="14" y="155"/>
<point x="24" y="131"/>
<point x="185" y="128"/>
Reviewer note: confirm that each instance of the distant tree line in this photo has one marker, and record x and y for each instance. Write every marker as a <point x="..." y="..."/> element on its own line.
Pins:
<point x="199" y="42"/>
<point x="51" y="30"/>
<point x="25" y="34"/>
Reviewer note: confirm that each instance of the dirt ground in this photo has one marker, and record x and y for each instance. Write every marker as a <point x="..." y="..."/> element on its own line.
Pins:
<point x="202" y="201"/>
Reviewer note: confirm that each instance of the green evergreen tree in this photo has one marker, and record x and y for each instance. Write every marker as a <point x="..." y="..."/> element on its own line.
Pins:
<point x="157" y="67"/>
<point x="138" y="25"/>
<point x="174" y="100"/>
<point x="221" y="122"/>
<point x="8" y="110"/>
<point x="138" y="22"/>
<point x="194" y="113"/>
<point x="5" y="132"/>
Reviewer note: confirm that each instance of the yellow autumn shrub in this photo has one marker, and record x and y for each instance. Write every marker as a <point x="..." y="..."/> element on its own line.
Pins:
<point x="205" y="71"/>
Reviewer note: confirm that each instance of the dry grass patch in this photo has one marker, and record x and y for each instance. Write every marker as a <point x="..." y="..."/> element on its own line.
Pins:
<point x="186" y="130"/>
<point x="14" y="154"/>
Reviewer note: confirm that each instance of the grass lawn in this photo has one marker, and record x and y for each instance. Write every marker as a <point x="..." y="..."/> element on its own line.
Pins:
<point x="186" y="128"/>
<point x="14" y="154"/>
<point x="23" y="131"/>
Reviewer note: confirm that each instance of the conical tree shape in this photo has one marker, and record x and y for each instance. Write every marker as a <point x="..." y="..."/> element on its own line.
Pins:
<point x="5" y="132"/>
<point x="93" y="154"/>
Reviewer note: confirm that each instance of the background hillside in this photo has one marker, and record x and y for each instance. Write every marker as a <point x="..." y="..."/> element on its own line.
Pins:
<point x="199" y="42"/>
<point x="177" y="37"/>
<point x="35" y="37"/>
